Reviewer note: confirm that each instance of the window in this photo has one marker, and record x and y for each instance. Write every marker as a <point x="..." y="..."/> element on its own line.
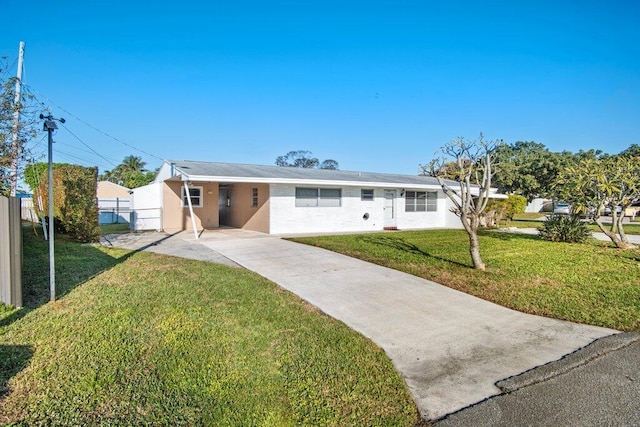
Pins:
<point x="330" y="197"/>
<point x="432" y="201"/>
<point x="366" y="194"/>
<point x="196" y="197"/>
<point x="306" y="197"/>
<point x="254" y="197"/>
<point x="421" y="201"/>
<point x="323" y="197"/>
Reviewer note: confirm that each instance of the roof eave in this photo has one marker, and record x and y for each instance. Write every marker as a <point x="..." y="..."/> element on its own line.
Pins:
<point x="344" y="183"/>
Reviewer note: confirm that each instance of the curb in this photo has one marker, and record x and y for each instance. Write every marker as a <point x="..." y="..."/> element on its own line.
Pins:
<point x="595" y="350"/>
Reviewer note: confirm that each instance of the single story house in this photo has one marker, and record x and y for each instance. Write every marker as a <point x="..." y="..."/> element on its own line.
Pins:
<point x="286" y="200"/>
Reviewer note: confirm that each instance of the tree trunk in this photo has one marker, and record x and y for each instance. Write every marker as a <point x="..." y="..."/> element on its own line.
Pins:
<point x="623" y="235"/>
<point x="611" y="234"/>
<point x="474" y="250"/>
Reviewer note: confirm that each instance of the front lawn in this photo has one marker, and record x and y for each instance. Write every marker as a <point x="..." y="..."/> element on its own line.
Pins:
<point x="147" y="339"/>
<point x="587" y="283"/>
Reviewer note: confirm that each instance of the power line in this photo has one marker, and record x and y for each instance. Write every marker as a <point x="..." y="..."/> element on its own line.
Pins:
<point x="87" y="145"/>
<point x="32" y="90"/>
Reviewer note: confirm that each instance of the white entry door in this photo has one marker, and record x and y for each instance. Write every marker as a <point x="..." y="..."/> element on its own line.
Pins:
<point x="389" y="209"/>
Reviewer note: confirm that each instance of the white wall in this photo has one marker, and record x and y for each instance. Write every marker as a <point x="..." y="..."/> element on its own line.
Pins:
<point x="536" y="205"/>
<point x="286" y="218"/>
<point x="146" y="207"/>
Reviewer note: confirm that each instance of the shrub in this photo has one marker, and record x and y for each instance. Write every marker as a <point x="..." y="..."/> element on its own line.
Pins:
<point x="503" y="209"/>
<point x="75" y="205"/>
<point x="564" y="228"/>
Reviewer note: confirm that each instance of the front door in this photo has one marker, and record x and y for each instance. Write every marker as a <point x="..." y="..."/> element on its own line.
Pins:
<point x="224" y="205"/>
<point x="389" y="209"/>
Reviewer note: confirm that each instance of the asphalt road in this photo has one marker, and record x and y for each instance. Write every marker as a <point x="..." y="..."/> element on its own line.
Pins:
<point x="595" y="386"/>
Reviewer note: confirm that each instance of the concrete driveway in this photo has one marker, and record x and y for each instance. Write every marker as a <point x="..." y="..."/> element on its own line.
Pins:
<point x="450" y="347"/>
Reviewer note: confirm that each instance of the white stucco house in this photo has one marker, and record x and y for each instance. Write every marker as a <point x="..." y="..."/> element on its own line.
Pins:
<point x="284" y="200"/>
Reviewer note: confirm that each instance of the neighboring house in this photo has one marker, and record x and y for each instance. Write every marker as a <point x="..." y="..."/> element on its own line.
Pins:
<point x="113" y="203"/>
<point x="284" y="200"/>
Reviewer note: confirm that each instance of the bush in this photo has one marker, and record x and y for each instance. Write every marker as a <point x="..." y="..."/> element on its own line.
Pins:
<point x="564" y="228"/>
<point x="503" y="209"/>
<point x="75" y="206"/>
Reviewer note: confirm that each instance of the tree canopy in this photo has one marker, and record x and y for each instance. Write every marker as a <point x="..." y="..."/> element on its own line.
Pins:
<point x="305" y="159"/>
<point x="528" y="168"/>
<point x="131" y="173"/>
<point x="13" y="153"/>
<point x="594" y="183"/>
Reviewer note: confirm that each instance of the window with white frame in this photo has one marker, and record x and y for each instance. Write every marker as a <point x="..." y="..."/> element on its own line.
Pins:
<point x="322" y="197"/>
<point x="366" y="194"/>
<point x="254" y="197"/>
<point x="421" y="201"/>
<point x="195" y="193"/>
<point x="432" y="201"/>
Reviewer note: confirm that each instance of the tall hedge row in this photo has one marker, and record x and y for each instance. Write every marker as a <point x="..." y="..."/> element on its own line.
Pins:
<point x="75" y="206"/>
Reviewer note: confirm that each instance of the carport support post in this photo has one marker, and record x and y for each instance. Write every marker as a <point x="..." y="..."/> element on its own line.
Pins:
<point x="193" y="218"/>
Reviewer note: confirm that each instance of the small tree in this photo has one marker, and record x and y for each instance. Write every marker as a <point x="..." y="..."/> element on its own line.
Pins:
<point x="593" y="184"/>
<point x="464" y="172"/>
<point x="13" y="153"/>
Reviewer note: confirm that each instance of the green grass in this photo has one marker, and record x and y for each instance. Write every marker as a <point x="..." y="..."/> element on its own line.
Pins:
<point x="114" y="228"/>
<point x="587" y="283"/>
<point x="529" y="216"/>
<point x="141" y="338"/>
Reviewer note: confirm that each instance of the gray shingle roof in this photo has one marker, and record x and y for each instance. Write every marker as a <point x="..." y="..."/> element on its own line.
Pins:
<point x="235" y="170"/>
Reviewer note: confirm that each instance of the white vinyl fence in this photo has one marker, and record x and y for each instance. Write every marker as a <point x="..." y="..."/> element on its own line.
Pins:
<point x="114" y="211"/>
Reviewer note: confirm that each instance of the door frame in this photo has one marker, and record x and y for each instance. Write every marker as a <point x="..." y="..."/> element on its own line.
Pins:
<point x="390" y="223"/>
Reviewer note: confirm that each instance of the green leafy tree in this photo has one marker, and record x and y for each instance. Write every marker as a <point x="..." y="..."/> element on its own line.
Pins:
<point x="529" y="169"/>
<point x="594" y="183"/>
<point x="130" y="173"/>
<point x="13" y="152"/>
<point x="632" y="151"/>
<point x="133" y="164"/>
<point x="304" y="159"/>
<point x="470" y="163"/>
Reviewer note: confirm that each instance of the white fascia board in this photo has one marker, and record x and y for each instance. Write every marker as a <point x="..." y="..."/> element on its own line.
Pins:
<point x="316" y="182"/>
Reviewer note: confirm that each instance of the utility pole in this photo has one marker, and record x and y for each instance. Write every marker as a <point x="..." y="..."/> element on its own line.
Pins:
<point x="15" y="146"/>
<point x="50" y="126"/>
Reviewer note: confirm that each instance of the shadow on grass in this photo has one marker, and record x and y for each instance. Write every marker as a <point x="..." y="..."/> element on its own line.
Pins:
<point x="13" y="359"/>
<point x="508" y="236"/>
<point x="75" y="263"/>
<point x="402" y="245"/>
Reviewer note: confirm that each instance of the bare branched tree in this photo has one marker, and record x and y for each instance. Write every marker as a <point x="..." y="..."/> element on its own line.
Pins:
<point x="464" y="171"/>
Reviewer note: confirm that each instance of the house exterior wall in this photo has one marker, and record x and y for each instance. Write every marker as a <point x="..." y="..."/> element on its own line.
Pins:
<point x="241" y="214"/>
<point x="286" y="218"/>
<point x="175" y="217"/>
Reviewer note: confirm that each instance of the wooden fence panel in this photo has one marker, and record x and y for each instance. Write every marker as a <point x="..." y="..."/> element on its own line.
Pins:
<point x="10" y="251"/>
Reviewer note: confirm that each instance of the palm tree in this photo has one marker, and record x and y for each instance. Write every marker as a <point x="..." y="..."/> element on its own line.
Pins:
<point x="133" y="164"/>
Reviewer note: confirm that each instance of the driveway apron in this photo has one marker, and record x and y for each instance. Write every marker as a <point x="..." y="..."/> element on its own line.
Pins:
<point x="450" y="347"/>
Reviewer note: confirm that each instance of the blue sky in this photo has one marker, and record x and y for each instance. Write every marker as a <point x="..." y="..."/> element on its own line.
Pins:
<point x="377" y="86"/>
